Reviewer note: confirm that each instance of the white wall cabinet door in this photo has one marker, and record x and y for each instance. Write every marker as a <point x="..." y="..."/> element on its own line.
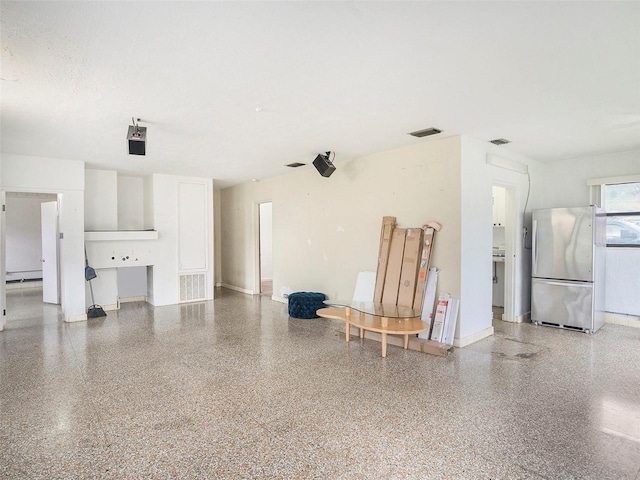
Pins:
<point x="499" y="209"/>
<point x="192" y="226"/>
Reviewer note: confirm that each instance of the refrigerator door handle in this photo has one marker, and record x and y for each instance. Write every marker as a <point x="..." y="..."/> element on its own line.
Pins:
<point x="534" y="247"/>
<point x="572" y="284"/>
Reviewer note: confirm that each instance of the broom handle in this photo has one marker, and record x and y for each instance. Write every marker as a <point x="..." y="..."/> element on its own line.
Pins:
<point x="91" y="289"/>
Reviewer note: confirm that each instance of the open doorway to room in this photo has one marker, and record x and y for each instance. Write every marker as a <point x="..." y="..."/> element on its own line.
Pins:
<point x="31" y="254"/>
<point x="266" y="248"/>
<point x="504" y="211"/>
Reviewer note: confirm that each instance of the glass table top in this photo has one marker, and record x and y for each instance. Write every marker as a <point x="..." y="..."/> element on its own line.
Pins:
<point x="377" y="309"/>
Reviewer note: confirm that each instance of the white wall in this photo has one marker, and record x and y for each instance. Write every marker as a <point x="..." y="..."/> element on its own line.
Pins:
<point x="326" y="230"/>
<point x="66" y="177"/>
<point x="24" y="235"/>
<point x="130" y="203"/>
<point x="566" y="186"/>
<point x="134" y="203"/>
<point x="478" y="177"/>
<point x="100" y="200"/>
<point x="132" y="281"/>
<point x="476" y="215"/>
<point x="217" y="230"/>
<point x="566" y="181"/>
<point x="101" y="213"/>
<point x="3" y="258"/>
<point x="528" y="196"/>
<point x="163" y="281"/>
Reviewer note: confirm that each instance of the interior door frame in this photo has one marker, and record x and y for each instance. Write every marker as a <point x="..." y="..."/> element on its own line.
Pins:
<point x="510" y="213"/>
<point x="257" y="261"/>
<point x="3" y="248"/>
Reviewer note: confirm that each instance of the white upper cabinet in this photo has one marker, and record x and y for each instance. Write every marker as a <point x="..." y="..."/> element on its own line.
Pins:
<point x="498" y="206"/>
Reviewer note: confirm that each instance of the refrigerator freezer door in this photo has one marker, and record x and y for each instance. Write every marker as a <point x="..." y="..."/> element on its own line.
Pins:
<point x="563" y="304"/>
<point x="563" y="243"/>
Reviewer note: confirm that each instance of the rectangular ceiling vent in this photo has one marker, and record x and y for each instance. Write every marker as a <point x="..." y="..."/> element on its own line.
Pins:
<point x="295" y="165"/>
<point x="500" y="141"/>
<point x="426" y="132"/>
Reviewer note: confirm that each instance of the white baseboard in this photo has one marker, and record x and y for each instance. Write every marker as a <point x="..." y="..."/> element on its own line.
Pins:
<point x="237" y="289"/>
<point x="21" y="285"/>
<point x="524" y="318"/>
<point x="142" y="298"/>
<point x="76" y="318"/>
<point x="109" y="308"/>
<point x="622" y="319"/>
<point x="463" y="342"/>
<point x="218" y="284"/>
<point x="275" y="298"/>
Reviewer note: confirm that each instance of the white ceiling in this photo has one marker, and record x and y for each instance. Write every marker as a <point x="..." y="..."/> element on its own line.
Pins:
<point x="236" y="90"/>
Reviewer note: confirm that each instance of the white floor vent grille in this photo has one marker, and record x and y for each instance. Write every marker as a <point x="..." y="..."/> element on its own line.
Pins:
<point x="192" y="287"/>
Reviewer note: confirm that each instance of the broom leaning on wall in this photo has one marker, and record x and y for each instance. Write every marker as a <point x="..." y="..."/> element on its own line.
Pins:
<point x="94" y="310"/>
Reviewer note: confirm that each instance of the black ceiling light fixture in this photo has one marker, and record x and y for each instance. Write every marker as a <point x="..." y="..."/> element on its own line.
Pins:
<point x="137" y="138"/>
<point x="426" y="132"/>
<point x="324" y="165"/>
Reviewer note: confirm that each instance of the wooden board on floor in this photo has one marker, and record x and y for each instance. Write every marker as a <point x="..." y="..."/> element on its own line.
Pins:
<point x="415" y="343"/>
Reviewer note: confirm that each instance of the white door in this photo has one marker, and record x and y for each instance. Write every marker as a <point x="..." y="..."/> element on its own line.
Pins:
<point x="49" y="259"/>
<point x="3" y="291"/>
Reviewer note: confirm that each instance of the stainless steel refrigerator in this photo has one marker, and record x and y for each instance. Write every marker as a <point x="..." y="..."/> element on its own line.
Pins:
<point x="568" y="268"/>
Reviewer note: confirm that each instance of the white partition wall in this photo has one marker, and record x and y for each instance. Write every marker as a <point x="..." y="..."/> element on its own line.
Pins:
<point x="183" y="216"/>
<point x="66" y="178"/>
<point x="101" y="214"/>
<point x="164" y="264"/>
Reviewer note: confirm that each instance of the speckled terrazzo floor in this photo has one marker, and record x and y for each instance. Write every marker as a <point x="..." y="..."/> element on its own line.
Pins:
<point x="236" y="389"/>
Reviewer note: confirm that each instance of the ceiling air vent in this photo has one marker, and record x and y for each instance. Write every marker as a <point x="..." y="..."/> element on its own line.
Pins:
<point x="426" y="132"/>
<point x="295" y="165"/>
<point x="500" y="141"/>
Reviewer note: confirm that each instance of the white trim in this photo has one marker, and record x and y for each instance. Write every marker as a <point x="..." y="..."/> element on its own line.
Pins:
<point x="237" y="289"/>
<point x="76" y="318"/>
<point x="275" y="298"/>
<point x="507" y="164"/>
<point x="463" y="342"/>
<point x="524" y="318"/>
<point x="111" y="307"/>
<point x="141" y="298"/>
<point x="24" y="285"/>
<point x="622" y="319"/>
<point x="257" y="283"/>
<point x="614" y="180"/>
<point x="120" y="235"/>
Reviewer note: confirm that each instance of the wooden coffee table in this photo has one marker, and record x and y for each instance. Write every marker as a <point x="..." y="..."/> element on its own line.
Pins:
<point x="376" y="317"/>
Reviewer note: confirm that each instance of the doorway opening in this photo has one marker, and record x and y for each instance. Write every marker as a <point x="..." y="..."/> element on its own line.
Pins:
<point x="503" y="254"/>
<point x="265" y="246"/>
<point x="31" y="252"/>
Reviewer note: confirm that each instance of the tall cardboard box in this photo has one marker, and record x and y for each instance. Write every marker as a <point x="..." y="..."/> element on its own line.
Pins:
<point x="388" y="224"/>
<point x="429" y="231"/>
<point x="394" y="267"/>
<point x="410" y="265"/>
